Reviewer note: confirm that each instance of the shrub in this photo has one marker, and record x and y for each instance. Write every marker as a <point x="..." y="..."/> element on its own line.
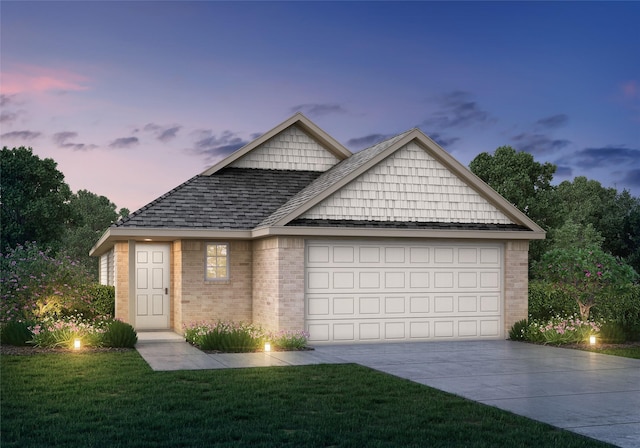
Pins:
<point x="15" y="333"/>
<point x="587" y="274"/>
<point x="36" y="284"/>
<point x="61" y="333"/>
<point x="519" y="330"/>
<point x="288" y="340"/>
<point x="546" y="302"/>
<point x="612" y="333"/>
<point x="225" y="336"/>
<point x="103" y="300"/>
<point x="120" y="334"/>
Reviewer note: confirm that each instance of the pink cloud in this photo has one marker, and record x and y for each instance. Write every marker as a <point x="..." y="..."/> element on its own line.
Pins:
<point x="22" y="78"/>
<point x="630" y="89"/>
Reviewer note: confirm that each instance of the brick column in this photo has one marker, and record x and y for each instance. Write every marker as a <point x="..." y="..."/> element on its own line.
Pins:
<point x="516" y="283"/>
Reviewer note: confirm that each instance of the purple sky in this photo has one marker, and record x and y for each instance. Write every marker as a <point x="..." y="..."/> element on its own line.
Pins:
<point x="134" y="98"/>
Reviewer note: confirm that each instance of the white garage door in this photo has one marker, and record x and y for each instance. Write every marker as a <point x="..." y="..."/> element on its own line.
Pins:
<point x="384" y="291"/>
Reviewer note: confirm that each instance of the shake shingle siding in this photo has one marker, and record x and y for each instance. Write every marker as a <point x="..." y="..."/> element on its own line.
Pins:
<point x="233" y="199"/>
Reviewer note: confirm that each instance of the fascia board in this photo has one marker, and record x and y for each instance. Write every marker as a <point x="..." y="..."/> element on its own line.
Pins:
<point x="114" y="234"/>
<point x="307" y="125"/>
<point x="397" y="233"/>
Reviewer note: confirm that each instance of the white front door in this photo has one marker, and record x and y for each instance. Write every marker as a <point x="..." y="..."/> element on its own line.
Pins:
<point x="152" y="286"/>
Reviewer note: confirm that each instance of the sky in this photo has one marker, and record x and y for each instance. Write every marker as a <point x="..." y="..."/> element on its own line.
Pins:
<point x="133" y="98"/>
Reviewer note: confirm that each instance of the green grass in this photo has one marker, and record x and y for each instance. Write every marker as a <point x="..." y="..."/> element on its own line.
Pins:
<point x="627" y="352"/>
<point x="116" y="400"/>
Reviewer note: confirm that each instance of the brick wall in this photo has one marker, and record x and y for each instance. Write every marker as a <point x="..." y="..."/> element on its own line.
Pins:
<point x="121" y="263"/>
<point x="175" y="285"/>
<point x="516" y="270"/>
<point x="196" y="299"/>
<point x="278" y="283"/>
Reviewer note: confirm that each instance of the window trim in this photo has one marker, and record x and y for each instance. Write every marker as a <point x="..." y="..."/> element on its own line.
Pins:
<point x="206" y="261"/>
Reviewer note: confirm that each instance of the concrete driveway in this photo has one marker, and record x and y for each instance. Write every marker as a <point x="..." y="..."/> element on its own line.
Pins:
<point x="587" y="393"/>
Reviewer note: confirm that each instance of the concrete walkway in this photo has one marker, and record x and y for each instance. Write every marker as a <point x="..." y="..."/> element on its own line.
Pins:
<point x="587" y="393"/>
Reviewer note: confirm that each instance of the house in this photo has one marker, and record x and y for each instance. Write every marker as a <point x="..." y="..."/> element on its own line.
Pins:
<point x="396" y="242"/>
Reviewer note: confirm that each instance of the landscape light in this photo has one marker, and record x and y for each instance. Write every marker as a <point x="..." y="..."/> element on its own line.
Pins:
<point x="592" y="340"/>
<point x="267" y="346"/>
<point x="76" y="344"/>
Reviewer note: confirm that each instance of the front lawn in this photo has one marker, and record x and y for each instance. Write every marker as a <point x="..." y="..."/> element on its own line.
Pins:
<point x="116" y="400"/>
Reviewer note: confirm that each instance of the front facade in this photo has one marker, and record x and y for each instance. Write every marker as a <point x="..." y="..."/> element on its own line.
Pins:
<point x="396" y="242"/>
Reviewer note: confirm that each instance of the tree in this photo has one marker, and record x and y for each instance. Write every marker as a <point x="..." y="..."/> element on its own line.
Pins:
<point x="586" y="202"/>
<point x="523" y="182"/>
<point x="90" y="216"/>
<point x="33" y="199"/>
<point x="631" y="237"/>
<point x="587" y="274"/>
<point x="573" y="235"/>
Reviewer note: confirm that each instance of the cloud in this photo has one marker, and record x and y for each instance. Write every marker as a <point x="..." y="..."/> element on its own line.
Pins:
<point x="552" y="122"/>
<point x="632" y="177"/>
<point x="124" y="142"/>
<point x="163" y="133"/>
<point x="60" y="139"/>
<point x="539" y="143"/>
<point x="21" y="135"/>
<point x="442" y="140"/>
<point x="606" y="156"/>
<point x="5" y="100"/>
<point x="367" y="140"/>
<point x="214" y="146"/>
<point x="8" y="117"/>
<point x="316" y="110"/>
<point x="32" y="78"/>
<point x="457" y="110"/>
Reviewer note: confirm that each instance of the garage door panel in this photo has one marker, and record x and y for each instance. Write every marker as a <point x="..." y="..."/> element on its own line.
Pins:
<point x="369" y="305"/>
<point x="317" y="306"/>
<point x="343" y="306"/>
<point x="343" y="280"/>
<point x="394" y="280"/>
<point x="388" y="291"/>
<point x="394" y="305"/>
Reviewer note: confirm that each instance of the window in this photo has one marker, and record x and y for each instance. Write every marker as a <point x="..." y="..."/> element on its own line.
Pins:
<point x="217" y="261"/>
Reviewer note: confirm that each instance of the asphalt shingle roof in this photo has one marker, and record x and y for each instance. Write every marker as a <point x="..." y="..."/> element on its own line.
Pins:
<point x="232" y="199"/>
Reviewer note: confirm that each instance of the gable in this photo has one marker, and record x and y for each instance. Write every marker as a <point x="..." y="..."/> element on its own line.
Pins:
<point x="408" y="186"/>
<point x="292" y="149"/>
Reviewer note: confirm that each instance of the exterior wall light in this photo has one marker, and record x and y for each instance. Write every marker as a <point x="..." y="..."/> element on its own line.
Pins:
<point x="592" y="340"/>
<point x="76" y="344"/>
<point x="267" y="346"/>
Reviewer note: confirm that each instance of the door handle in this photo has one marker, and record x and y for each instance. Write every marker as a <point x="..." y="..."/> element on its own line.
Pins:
<point x="166" y="290"/>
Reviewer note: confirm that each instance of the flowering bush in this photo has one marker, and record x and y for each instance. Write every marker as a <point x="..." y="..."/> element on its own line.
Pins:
<point x="34" y="284"/>
<point x="61" y="333"/>
<point x="558" y="330"/>
<point x="586" y="274"/>
<point x="288" y="340"/>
